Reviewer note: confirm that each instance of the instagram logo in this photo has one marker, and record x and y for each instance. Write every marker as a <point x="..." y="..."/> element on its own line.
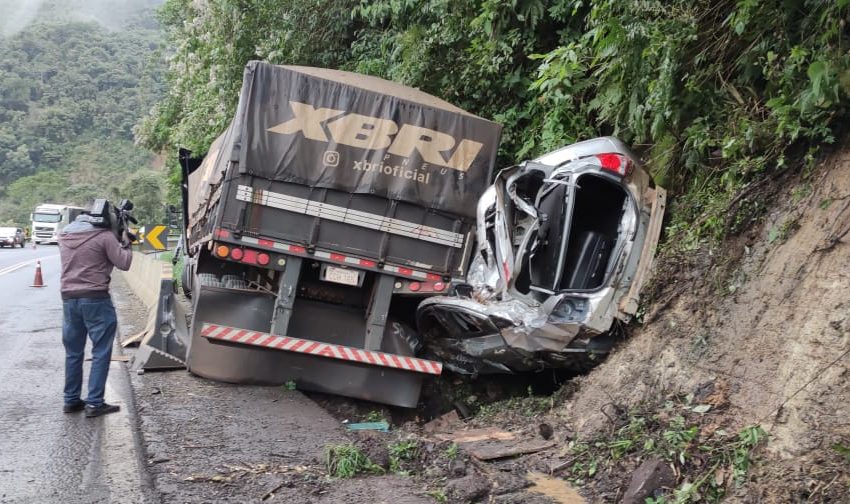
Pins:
<point x="331" y="158"/>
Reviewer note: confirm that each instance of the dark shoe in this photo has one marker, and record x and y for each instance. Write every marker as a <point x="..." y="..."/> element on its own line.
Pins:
<point x="74" y="407"/>
<point x="103" y="409"/>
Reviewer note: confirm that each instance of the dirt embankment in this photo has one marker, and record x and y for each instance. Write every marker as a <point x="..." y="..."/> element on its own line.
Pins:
<point x="762" y="328"/>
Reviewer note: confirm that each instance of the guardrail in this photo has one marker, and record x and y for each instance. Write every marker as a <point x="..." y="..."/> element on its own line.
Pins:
<point x="163" y="342"/>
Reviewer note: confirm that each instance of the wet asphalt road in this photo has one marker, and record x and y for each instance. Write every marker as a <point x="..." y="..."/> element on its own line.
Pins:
<point x="47" y="456"/>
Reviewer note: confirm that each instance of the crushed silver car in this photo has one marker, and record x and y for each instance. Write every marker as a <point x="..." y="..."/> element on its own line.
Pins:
<point x="565" y="243"/>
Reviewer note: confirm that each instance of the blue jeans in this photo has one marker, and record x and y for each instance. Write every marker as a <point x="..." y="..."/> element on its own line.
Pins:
<point x="95" y="317"/>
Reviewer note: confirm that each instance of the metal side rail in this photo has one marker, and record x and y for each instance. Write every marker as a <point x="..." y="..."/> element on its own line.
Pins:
<point x="317" y="348"/>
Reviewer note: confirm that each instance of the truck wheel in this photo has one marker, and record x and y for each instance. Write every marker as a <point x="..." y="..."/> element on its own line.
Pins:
<point x="208" y="280"/>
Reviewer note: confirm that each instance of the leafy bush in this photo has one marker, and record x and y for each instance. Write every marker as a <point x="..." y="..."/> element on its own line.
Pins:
<point x="716" y="94"/>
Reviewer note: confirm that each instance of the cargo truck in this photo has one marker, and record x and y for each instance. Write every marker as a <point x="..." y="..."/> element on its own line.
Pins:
<point x="330" y="198"/>
<point x="48" y="220"/>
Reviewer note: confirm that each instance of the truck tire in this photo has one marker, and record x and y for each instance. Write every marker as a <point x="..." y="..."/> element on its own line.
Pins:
<point x="208" y="280"/>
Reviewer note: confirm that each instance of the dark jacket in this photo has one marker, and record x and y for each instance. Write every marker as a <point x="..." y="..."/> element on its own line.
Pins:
<point x="88" y="255"/>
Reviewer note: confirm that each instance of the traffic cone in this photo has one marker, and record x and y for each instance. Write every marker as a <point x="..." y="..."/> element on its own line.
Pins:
<point x="38" y="282"/>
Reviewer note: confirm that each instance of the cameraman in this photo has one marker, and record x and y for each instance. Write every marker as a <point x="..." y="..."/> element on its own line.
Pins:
<point x="88" y="254"/>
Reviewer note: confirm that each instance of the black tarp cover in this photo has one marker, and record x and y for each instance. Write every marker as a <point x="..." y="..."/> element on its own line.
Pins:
<point x="339" y="130"/>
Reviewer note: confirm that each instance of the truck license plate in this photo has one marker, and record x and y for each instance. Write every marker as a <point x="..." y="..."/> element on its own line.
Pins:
<point x="342" y="276"/>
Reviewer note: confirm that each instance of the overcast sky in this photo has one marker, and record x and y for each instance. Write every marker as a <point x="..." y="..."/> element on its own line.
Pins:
<point x="17" y="14"/>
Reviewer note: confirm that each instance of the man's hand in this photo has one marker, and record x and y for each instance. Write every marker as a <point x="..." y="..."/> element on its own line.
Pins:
<point x="127" y="239"/>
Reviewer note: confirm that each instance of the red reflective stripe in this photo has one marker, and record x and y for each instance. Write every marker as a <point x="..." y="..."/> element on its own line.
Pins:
<point x="297" y="249"/>
<point x="338" y="257"/>
<point x="398" y="363"/>
<point x="327" y="351"/>
<point x="367" y="263"/>
<point x="236" y="336"/>
<point x="208" y="329"/>
<point x="311" y="347"/>
<point x="433" y="277"/>
<point x="370" y="357"/>
<point x="225" y="331"/>
<point x="266" y="243"/>
<point x="405" y="271"/>
<point x="410" y="364"/>
<point x="269" y="338"/>
<point x="382" y="358"/>
<point x="254" y="337"/>
<point x="298" y="344"/>
<point x="222" y="233"/>
<point x="345" y="352"/>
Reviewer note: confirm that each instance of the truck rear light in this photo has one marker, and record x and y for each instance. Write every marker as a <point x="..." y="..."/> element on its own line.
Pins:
<point x="414" y="286"/>
<point x="439" y="286"/>
<point x="250" y="256"/>
<point x="615" y="163"/>
<point x="237" y="254"/>
<point x="222" y="251"/>
<point x="263" y="259"/>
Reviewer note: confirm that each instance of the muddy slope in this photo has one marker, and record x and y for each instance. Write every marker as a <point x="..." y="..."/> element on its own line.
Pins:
<point x="768" y="323"/>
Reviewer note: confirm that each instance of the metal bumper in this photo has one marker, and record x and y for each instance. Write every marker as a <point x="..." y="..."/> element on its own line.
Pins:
<point x="331" y="360"/>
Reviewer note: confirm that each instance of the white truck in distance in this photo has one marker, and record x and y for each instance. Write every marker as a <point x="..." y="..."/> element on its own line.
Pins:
<point x="48" y="221"/>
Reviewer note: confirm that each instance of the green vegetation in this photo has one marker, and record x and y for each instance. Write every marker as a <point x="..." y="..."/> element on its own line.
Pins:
<point x="451" y="452"/>
<point x="528" y="406"/>
<point x="401" y="452"/>
<point x="347" y="461"/>
<point x="717" y="95"/>
<point x="70" y="95"/>
<point x="437" y="495"/>
<point x="375" y="416"/>
<point x="709" y="459"/>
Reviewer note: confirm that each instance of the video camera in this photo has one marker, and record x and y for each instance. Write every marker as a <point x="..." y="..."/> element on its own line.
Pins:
<point x="116" y="218"/>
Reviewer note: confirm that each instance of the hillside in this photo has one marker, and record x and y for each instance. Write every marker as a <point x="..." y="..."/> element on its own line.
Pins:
<point x="734" y="375"/>
<point x="70" y="95"/>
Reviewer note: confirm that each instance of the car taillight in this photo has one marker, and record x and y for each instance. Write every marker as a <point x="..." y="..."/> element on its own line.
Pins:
<point x="615" y="163"/>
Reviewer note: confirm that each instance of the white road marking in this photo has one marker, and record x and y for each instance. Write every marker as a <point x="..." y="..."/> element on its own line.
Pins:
<point x="15" y="267"/>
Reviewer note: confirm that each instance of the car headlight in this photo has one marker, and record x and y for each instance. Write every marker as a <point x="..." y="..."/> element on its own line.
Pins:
<point x="570" y="309"/>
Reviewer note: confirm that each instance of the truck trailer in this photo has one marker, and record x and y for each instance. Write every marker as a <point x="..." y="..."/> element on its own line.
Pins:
<point x="330" y="202"/>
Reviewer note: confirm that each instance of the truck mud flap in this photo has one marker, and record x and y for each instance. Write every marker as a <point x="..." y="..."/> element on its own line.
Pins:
<point x="336" y="364"/>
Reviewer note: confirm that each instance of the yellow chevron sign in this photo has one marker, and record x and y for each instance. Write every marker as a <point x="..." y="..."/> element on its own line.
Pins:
<point x="155" y="239"/>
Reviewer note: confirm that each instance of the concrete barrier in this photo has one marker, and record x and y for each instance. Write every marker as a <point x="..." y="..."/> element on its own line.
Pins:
<point x="163" y="342"/>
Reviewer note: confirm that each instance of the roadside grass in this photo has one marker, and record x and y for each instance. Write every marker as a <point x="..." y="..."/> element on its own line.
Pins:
<point x="708" y="459"/>
<point x="346" y="461"/>
<point x="401" y="452"/>
<point x="177" y="272"/>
